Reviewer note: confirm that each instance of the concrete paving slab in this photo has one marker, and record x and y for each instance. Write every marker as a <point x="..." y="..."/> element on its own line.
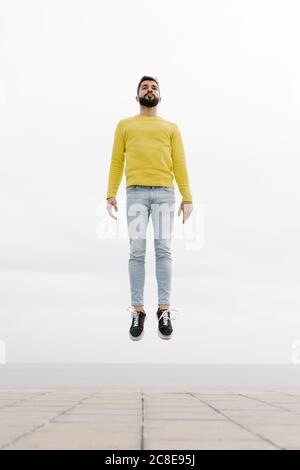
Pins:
<point x="150" y="418"/>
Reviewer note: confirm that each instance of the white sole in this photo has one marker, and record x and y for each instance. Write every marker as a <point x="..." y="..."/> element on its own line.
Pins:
<point x="164" y="336"/>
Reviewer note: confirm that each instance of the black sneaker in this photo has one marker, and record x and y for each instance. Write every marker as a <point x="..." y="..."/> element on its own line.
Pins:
<point x="136" y="331"/>
<point x="165" y="329"/>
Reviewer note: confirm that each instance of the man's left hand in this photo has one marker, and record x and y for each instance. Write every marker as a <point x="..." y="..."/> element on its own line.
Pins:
<point x="186" y="208"/>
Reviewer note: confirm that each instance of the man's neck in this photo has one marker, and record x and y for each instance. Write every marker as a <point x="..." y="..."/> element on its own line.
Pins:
<point x="148" y="111"/>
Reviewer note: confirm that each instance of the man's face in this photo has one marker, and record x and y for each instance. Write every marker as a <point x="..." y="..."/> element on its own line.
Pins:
<point x="149" y="94"/>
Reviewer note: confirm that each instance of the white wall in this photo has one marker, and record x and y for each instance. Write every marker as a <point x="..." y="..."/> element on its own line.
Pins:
<point x="230" y="78"/>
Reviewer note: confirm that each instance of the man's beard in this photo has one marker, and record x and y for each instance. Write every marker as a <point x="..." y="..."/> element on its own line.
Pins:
<point x="149" y="102"/>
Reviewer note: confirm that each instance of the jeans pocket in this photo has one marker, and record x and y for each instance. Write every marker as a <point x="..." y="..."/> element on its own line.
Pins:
<point x="166" y="188"/>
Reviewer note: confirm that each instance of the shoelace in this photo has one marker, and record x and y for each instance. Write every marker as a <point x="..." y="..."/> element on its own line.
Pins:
<point x="165" y="317"/>
<point x="135" y="315"/>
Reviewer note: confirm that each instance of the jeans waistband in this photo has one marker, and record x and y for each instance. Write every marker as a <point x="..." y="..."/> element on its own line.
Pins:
<point x="143" y="186"/>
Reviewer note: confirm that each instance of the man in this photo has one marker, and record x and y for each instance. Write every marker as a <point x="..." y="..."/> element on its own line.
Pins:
<point x="154" y="154"/>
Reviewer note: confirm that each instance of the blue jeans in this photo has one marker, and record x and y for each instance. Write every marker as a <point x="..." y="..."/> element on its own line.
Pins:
<point x="160" y="202"/>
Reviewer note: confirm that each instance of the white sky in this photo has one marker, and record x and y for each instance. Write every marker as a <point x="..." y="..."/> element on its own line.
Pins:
<point x="230" y="78"/>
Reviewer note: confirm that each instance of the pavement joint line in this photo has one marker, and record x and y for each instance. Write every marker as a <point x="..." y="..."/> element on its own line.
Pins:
<point x="142" y="421"/>
<point x="294" y="396"/>
<point x="45" y="423"/>
<point x="279" y="407"/>
<point x="245" y="428"/>
<point x="23" y="400"/>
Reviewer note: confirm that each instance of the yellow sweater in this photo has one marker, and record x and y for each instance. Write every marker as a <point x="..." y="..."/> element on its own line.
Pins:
<point x="153" y="150"/>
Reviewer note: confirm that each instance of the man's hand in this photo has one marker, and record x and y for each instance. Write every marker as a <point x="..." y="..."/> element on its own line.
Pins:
<point x="112" y="202"/>
<point x="186" y="208"/>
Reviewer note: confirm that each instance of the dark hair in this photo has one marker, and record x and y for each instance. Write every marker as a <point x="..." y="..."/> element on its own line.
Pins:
<point x="146" y="77"/>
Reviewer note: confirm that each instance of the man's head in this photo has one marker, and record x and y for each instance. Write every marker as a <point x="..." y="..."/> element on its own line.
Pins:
<point x="148" y="93"/>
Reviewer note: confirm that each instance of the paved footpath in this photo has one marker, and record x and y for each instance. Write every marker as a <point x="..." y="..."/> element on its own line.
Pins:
<point x="150" y="418"/>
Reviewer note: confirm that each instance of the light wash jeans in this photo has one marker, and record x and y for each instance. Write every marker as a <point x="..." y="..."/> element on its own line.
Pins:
<point x="159" y="201"/>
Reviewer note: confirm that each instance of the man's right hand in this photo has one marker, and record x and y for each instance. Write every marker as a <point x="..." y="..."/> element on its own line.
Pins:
<point x="112" y="202"/>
